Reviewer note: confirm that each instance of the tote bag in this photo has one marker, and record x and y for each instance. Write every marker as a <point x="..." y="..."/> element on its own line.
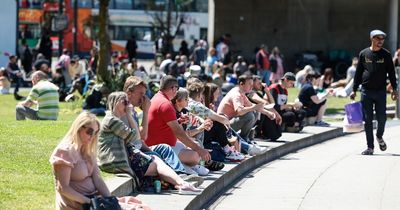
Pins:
<point x="354" y="112"/>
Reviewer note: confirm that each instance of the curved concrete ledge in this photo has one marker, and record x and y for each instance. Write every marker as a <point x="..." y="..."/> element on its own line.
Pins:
<point x="121" y="186"/>
<point x="232" y="176"/>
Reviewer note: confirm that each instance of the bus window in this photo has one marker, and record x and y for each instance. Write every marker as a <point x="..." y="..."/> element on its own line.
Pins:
<point x="83" y="3"/>
<point x="143" y="33"/>
<point x="123" y="4"/>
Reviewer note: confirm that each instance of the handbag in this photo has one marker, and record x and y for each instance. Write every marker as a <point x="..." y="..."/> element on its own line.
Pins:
<point x="104" y="203"/>
<point x="354" y="112"/>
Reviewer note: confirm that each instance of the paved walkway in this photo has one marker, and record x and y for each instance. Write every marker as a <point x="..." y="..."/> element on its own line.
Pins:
<point x="331" y="175"/>
<point x="168" y="200"/>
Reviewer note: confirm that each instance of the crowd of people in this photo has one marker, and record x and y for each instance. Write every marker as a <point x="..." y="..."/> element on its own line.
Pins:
<point x="207" y="110"/>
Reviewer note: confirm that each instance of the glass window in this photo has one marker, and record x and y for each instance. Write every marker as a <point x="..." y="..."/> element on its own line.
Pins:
<point x="83" y="3"/>
<point x="96" y="4"/>
<point x="143" y="33"/>
<point x="35" y="4"/>
<point x="123" y="4"/>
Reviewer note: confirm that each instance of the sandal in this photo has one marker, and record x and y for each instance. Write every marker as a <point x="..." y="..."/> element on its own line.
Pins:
<point x="368" y="151"/>
<point x="214" y="165"/>
<point x="382" y="144"/>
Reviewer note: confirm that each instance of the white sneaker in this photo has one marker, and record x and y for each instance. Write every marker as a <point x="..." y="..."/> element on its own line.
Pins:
<point x="234" y="156"/>
<point x="188" y="189"/>
<point x="200" y="170"/>
<point x="256" y="150"/>
<point x="189" y="170"/>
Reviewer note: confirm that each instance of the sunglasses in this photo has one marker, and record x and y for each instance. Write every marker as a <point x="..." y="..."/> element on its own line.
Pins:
<point x="90" y="131"/>
<point x="379" y="38"/>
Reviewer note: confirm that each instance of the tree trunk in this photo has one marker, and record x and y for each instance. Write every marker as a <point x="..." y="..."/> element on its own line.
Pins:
<point x="105" y="45"/>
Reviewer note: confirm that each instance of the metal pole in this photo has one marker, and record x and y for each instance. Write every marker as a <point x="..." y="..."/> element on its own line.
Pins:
<point x="211" y="23"/>
<point x="60" y="34"/>
<point x="17" y="28"/>
<point x="397" y="113"/>
<point x="75" y="28"/>
<point x="393" y="25"/>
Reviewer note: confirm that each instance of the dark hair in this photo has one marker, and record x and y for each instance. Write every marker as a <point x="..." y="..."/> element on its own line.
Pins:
<point x="167" y="81"/>
<point x="195" y="89"/>
<point x="244" y="77"/>
<point x="311" y="75"/>
<point x="328" y="73"/>
<point x="209" y="90"/>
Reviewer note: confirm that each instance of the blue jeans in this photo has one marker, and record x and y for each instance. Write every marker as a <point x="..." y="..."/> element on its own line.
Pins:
<point x="265" y="74"/>
<point x="369" y="100"/>
<point x="244" y="144"/>
<point x="165" y="153"/>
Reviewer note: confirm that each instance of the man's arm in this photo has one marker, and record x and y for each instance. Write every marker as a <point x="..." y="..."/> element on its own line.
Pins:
<point x="219" y="118"/>
<point x="186" y="140"/>
<point x="145" y="122"/>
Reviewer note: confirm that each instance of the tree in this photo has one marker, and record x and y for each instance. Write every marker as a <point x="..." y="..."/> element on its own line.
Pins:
<point x="167" y="16"/>
<point x="105" y="45"/>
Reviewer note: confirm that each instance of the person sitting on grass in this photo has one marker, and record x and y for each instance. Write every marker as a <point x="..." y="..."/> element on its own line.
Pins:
<point x="119" y="149"/>
<point x="45" y="95"/>
<point x="77" y="176"/>
<point x="4" y="82"/>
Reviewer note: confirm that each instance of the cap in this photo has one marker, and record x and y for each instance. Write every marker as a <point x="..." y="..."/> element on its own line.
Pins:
<point x="289" y="76"/>
<point x="376" y="33"/>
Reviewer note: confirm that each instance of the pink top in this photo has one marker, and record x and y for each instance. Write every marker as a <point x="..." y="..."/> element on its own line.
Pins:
<point x="231" y="103"/>
<point x="81" y="174"/>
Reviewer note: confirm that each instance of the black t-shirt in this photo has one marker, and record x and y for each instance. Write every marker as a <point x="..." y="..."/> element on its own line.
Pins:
<point x="373" y="69"/>
<point x="307" y="90"/>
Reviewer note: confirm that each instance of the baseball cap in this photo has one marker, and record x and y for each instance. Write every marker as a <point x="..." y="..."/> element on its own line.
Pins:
<point x="289" y="76"/>
<point x="376" y="33"/>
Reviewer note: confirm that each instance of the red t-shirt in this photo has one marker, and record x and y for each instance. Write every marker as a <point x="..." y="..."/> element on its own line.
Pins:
<point x="161" y="112"/>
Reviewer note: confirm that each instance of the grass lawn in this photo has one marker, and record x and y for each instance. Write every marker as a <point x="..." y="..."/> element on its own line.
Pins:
<point x="26" y="180"/>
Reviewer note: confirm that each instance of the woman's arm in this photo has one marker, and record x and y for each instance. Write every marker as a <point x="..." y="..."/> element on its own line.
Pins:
<point x="99" y="183"/>
<point x="63" y="176"/>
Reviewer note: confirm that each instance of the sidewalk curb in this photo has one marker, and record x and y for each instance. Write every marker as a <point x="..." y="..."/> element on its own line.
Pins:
<point x="122" y="186"/>
<point x="232" y="176"/>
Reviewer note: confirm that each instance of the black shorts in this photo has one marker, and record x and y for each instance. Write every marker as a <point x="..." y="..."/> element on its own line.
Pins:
<point x="312" y="110"/>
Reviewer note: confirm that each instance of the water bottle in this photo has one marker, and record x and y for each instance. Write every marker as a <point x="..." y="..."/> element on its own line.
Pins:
<point x="157" y="186"/>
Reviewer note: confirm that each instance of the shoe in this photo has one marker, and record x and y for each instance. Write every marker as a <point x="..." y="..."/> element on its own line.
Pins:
<point x="368" y="151"/>
<point x="189" y="170"/>
<point x="214" y="165"/>
<point x="234" y="156"/>
<point x="18" y="97"/>
<point x="256" y="150"/>
<point x="322" y="124"/>
<point x="188" y="189"/>
<point x="200" y="170"/>
<point x="382" y="144"/>
<point x="193" y="179"/>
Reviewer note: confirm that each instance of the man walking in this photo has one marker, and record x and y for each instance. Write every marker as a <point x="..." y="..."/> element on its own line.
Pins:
<point x="374" y="66"/>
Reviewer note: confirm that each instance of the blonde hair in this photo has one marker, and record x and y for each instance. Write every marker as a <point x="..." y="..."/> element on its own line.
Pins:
<point x="72" y="137"/>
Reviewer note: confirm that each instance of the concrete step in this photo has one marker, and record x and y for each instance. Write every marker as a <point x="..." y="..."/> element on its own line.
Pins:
<point x="217" y="182"/>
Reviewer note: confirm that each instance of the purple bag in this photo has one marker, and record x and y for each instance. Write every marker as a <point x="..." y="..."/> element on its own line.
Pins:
<point x="354" y="112"/>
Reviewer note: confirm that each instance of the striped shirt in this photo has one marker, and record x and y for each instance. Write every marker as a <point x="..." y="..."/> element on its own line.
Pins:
<point x="45" y="94"/>
<point x="115" y="137"/>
